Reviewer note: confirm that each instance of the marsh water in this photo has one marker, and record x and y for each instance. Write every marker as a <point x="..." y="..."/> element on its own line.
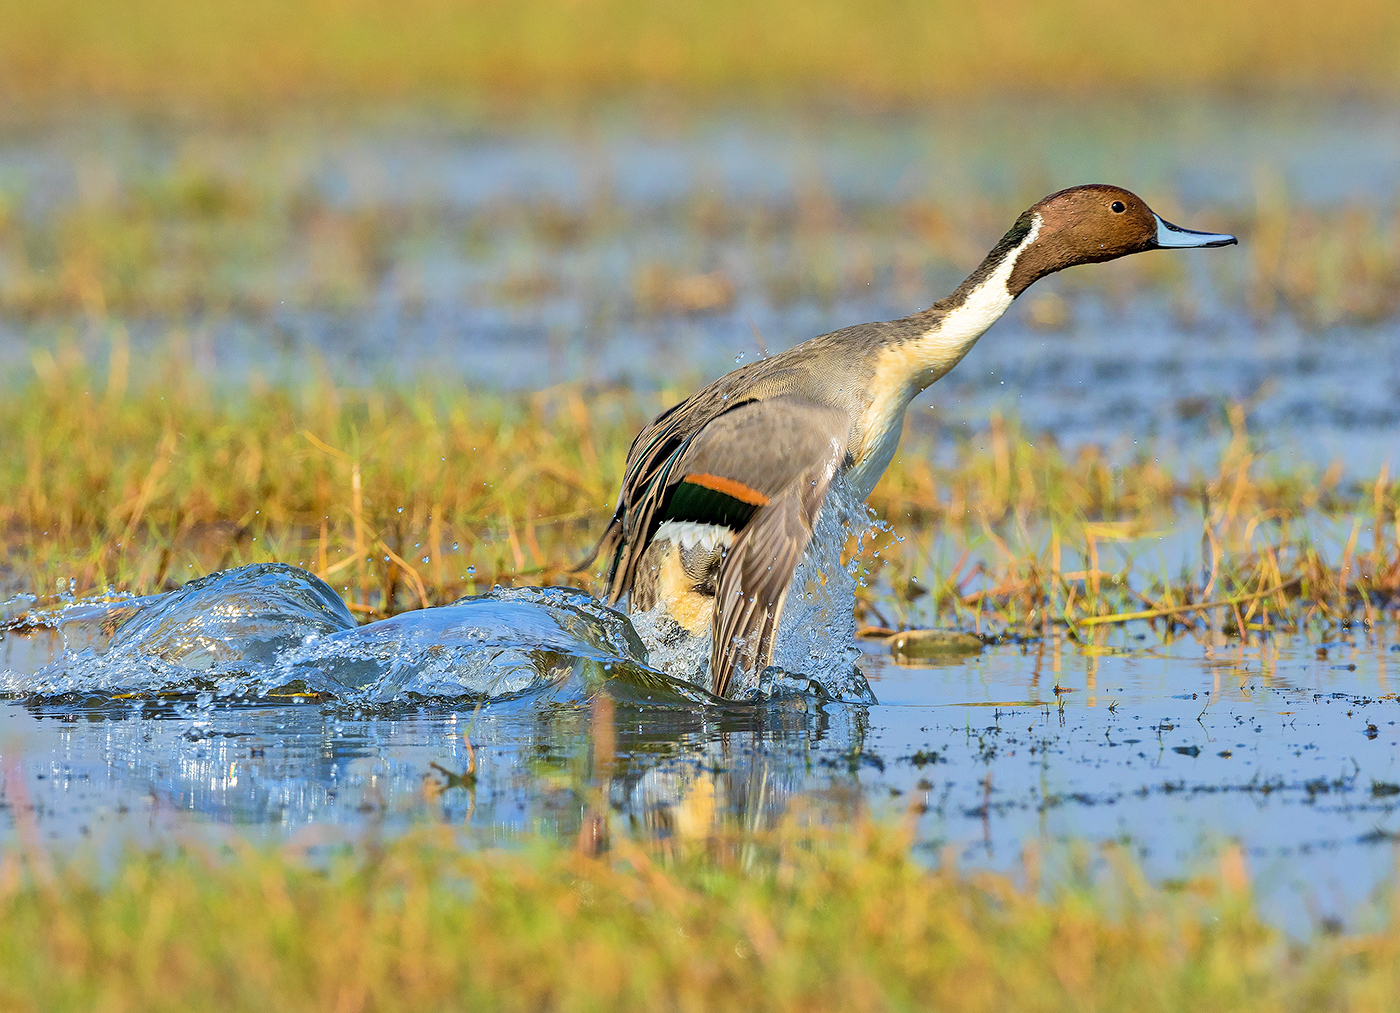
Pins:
<point x="671" y="249"/>
<point x="1288" y="747"/>
<point x="657" y="250"/>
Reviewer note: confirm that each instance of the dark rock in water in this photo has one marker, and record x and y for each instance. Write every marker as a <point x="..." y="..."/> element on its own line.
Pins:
<point x="916" y="646"/>
<point x="250" y="614"/>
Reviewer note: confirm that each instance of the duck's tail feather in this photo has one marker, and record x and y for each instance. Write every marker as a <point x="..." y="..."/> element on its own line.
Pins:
<point x="605" y="548"/>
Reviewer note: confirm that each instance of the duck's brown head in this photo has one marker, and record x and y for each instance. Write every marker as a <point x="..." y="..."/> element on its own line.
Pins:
<point x="1088" y="225"/>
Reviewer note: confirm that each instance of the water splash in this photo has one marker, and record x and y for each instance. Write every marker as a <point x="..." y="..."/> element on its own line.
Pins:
<point x="672" y="648"/>
<point x="247" y="616"/>
<point x="272" y="629"/>
<point x="276" y="630"/>
<point x="817" y="632"/>
<point x="510" y="643"/>
<point x="815" y="651"/>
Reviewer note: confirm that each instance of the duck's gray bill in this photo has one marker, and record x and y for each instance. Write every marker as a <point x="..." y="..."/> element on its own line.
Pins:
<point x="1175" y="237"/>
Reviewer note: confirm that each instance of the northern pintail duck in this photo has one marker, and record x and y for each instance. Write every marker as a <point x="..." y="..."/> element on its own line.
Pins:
<point x="721" y="492"/>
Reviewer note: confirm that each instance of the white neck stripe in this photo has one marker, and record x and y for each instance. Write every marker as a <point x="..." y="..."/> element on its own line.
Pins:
<point x="904" y="369"/>
<point x="944" y="344"/>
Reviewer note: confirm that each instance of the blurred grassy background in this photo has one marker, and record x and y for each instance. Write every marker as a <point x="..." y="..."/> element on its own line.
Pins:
<point x="105" y="483"/>
<point x="257" y="51"/>
<point x="228" y="229"/>
<point x="808" y="919"/>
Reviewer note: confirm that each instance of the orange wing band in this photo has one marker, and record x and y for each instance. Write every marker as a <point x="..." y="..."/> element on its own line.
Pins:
<point x="728" y="486"/>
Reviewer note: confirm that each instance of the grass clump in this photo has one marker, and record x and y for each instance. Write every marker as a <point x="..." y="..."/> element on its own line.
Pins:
<point x="404" y="498"/>
<point x="821" y="920"/>
<point x="1042" y="540"/>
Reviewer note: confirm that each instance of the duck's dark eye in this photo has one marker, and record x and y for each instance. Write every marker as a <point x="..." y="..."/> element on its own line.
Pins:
<point x="1118" y="207"/>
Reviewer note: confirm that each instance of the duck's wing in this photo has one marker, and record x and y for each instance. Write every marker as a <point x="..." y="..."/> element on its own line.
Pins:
<point x="763" y="470"/>
<point x="646" y="482"/>
<point x="652" y="460"/>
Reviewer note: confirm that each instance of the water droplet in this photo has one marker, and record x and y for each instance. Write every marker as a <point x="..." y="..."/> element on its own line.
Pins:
<point x="471" y="569"/>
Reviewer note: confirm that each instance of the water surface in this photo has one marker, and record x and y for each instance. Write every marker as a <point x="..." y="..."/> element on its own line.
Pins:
<point x="523" y="255"/>
<point x="1172" y="749"/>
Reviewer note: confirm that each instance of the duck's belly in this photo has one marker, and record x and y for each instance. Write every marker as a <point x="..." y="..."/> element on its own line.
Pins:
<point x="884" y="421"/>
<point x="680" y="569"/>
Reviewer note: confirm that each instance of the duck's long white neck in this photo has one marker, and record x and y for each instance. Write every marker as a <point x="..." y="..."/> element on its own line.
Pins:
<point x="951" y="337"/>
<point x="902" y="370"/>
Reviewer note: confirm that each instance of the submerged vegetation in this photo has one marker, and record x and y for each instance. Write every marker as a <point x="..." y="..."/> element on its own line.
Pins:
<point x="408" y="498"/>
<point x="799" y="919"/>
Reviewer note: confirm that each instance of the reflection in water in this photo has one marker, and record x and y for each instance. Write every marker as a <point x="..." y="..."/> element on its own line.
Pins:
<point x="251" y="697"/>
<point x="1288" y="746"/>
<point x="537" y="765"/>
<point x="1178" y="748"/>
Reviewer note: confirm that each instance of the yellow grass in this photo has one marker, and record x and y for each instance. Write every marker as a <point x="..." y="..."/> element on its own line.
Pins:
<point x="404" y="497"/>
<point x="244" y="54"/>
<point x="810" y="920"/>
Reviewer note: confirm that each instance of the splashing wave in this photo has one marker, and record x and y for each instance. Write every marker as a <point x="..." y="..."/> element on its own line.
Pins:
<point x="271" y="630"/>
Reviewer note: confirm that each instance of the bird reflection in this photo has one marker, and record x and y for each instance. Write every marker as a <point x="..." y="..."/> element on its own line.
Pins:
<point x="595" y="768"/>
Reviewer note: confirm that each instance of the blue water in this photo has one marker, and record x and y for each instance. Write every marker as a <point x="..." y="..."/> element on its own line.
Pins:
<point x="250" y="701"/>
<point x="292" y="724"/>
<point x="814" y="232"/>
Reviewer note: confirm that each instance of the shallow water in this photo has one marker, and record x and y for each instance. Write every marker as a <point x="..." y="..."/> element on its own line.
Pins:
<point x="516" y="256"/>
<point x="186" y="721"/>
<point x="319" y="731"/>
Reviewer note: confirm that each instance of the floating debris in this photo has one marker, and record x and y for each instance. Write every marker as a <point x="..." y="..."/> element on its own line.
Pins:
<point x="914" y="646"/>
